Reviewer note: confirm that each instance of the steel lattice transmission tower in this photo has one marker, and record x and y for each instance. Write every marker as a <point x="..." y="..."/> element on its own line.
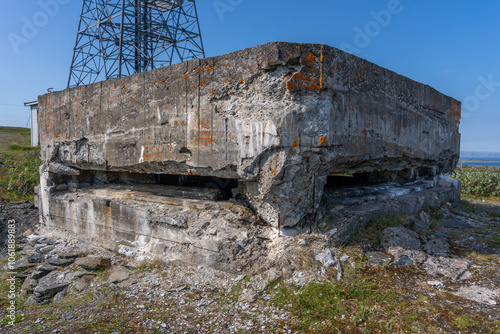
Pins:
<point x="117" y="38"/>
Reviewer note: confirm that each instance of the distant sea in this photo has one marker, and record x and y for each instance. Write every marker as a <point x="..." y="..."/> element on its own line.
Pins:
<point x="480" y="161"/>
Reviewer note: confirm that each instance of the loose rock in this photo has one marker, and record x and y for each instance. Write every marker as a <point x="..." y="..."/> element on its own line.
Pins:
<point x="326" y="258"/>
<point x="119" y="274"/>
<point x="93" y="262"/>
<point x="455" y="269"/>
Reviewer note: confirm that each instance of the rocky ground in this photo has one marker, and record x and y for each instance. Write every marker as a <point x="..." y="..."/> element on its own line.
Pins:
<point x="436" y="272"/>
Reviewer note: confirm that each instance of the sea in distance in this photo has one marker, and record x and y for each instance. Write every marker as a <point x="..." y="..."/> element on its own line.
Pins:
<point x="490" y="162"/>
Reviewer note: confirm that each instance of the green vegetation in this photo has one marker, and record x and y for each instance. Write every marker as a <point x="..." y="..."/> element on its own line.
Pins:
<point x="16" y="147"/>
<point x="479" y="183"/>
<point x="19" y="165"/>
<point x="369" y="300"/>
<point x="495" y="239"/>
<point x="465" y="322"/>
<point x="329" y="300"/>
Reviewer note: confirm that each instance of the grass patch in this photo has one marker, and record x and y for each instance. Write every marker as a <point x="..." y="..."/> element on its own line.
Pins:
<point x="19" y="164"/>
<point x="479" y="182"/>
<point x="494" y="239"/>
<point x="17" y="182"/>
<point x="14" y="136"/>
<point x="318" y="302"/>
<point x="16" y="147"/>
<point x="465" y="322"/>
<point x="151" y="265"/>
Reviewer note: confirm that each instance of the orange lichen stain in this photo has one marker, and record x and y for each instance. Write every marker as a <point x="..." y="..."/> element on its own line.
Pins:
<point x="192" y="86"/>
<point x="115" y="86"/>
<point x="201" y="82"/>
<point x="322" y="140"/>
<point x="364" y="132"/>
<point x="182" y="122"/>
<point x="296" y="143"/>
<point x="322" y="58"/>
<point x="229" y="65"/>
<point x="224" y="82"/>
<point x="353" y="144"/>
<point x="241" y="81"/>
<point x="455" y="108"/>
<point x="186" y="76"/>
<point x="289" y="85"/>
<point x="309" y="59"/>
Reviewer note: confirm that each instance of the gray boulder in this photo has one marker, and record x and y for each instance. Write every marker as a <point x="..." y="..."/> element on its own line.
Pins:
<point x="325" y="257"/>
<point x="93" y="262"/>
<point x="455" y="269"/>
<point x="43" y="270"/>
<point x="51" y="284"/>
<point x="377" y="258"/>
<point x="400" y="241"/>
<point x="35" y="258"/>
<point x="400" y="237"/>
<point x="454" y="223"/>
<point x="60" y="262"/>
<point x="403" y="261"/>
<point x="437" y="247"/>
<point x="119" y="274"/>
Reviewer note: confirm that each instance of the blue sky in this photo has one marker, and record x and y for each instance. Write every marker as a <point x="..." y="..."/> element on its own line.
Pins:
<point x="453" y="46"/>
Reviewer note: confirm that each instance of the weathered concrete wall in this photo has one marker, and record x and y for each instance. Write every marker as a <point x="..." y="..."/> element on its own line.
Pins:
<point x="280" y="117"/>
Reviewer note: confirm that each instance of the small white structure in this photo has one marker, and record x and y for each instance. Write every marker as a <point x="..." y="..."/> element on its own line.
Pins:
<point x="35" y="141"/>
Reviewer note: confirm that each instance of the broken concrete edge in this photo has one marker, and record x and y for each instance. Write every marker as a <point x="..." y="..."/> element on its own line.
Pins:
<point x="221" y="235"/>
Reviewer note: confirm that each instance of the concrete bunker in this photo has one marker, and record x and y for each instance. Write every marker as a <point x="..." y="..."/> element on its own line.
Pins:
<point x="291" y="133"/>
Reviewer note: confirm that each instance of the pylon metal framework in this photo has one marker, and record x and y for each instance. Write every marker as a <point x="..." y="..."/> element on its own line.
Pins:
<point x="117" y="38"/>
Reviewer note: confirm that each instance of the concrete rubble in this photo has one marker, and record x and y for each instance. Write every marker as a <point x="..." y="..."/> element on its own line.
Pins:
<point x="199" y="161"/>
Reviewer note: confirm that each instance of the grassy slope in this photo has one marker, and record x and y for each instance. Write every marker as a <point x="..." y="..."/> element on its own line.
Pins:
<point x="15" y="150"/>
